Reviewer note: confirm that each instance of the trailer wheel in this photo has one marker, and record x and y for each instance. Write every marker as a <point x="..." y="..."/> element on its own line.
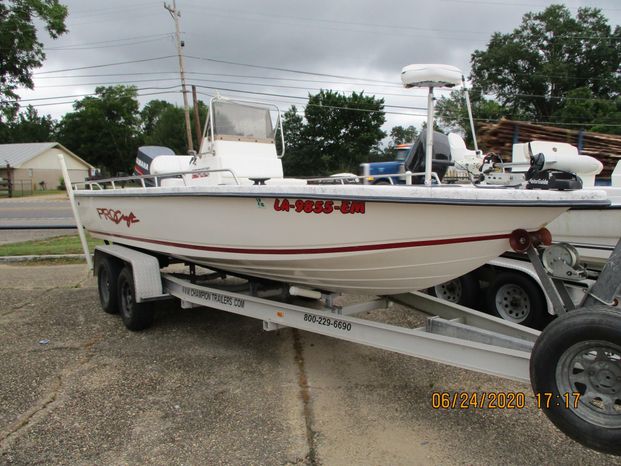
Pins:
<point x="575" y="367"/>
<point x="516" y="298"/>
<point x="463" y="290"/>
<point x="108" y="270"/>
<point x="136" y="316"/>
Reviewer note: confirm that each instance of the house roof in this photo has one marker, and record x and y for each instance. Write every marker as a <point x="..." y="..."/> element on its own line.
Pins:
<point x="18" y="154"/>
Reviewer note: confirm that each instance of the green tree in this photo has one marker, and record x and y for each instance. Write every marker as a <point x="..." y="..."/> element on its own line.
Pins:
<point x="599" y="115"/>
<point x="298" y="159"/>
<point x="531" y="70"/>
<point x="20" y="49"/>
<point x="339" y="132"/>
<point x="453" y="113"/>
<point x="104" y="129"/>
<point x="163" y="124"/>
<point x="28" y="126"/>
<point x="398" y="135"/>
<point x="401" y="135"/>
<point x="151" y="113"/>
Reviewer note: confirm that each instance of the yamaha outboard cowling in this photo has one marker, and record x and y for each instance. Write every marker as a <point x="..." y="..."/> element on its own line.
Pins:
<point x="145" y="156"/>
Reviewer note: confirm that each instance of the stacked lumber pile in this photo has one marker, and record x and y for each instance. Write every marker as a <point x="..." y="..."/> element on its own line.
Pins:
<point x="499" y="138"/>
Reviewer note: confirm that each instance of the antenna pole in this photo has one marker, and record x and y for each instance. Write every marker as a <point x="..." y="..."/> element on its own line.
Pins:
<point x="429" y="142"/>
<point x="470" y="118"/>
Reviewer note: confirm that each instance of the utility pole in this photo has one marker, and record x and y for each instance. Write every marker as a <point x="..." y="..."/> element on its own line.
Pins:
<point x="9" y="178"/>
<point x="197" y="121"/>
<point x="175" y="15"/>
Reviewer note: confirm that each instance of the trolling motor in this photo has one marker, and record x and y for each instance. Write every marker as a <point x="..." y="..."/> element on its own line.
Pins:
<point x="541" y="176"/>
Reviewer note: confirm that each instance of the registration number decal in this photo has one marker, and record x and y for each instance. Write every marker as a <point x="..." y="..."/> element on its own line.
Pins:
<point x="309" y="206"/>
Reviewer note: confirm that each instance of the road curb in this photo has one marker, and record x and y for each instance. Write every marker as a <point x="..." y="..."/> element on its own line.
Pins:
<point x="9" y="259"/>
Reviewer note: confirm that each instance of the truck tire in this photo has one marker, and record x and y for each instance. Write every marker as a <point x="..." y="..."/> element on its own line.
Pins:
<point x="107" y="272"/>
<point x="136" y="316"/>
<point x="516" y="298"/>
<point x="580" y="353"/>
<point x="463" y="290"/>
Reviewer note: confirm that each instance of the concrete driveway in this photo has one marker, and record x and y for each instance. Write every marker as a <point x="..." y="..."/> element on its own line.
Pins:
<point x="207" y="387"/>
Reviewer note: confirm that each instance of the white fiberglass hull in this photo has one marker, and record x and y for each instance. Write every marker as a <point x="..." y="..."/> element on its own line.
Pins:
<point x="358" y="239"/>
<point x="594" y="232"/>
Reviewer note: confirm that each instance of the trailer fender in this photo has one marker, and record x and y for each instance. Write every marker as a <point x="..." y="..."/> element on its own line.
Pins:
<point x="145" y="271"/>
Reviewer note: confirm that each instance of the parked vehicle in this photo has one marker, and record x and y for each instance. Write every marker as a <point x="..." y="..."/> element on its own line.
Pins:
<point x="390" y="172"/>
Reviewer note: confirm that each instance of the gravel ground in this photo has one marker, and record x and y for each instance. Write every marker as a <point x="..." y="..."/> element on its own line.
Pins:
<point x="208" y="387"/>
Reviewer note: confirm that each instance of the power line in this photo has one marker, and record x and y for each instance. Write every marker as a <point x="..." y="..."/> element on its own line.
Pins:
<point x="334" y="107"/>
<point x="237" y="13"/>
<point x="149" y="36"/>
<point x="245" y="15"/>
<point x="105" y="65"/>
<point x="73" y="101"/>
<point x="244" y="76"/>
<point x="84" y="95"/>
<point x="111" y="43"/>
<point x="111" y="16"/>
<point x="268" y="85"/>
<point x="517" y="4"/>
<point x="388" y="112"/>
<point x="287" y="70"/>
<point x="127" y="44"/>
<point x="91" y="12"/>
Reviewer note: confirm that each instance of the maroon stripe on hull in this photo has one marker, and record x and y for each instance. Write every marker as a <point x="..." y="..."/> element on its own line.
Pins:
<point x="364" y="247"/>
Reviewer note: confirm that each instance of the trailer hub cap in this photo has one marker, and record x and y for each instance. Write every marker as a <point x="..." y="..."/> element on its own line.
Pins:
<point x="512" y="303"/>
<point x="592" y="369"/>
<point x="449" y="291"/>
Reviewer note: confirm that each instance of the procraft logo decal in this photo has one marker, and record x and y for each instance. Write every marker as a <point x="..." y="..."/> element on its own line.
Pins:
<point x="117" y="216"/>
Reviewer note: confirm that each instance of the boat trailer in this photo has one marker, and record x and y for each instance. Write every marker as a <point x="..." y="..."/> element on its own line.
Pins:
<point x="577" y="357"/>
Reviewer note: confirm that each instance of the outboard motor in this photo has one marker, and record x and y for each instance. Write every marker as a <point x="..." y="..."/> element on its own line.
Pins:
<point x="145" y="156"/>
<point x="441" y="159"/>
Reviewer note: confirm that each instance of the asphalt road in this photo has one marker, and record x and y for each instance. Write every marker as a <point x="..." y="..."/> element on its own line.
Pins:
<point x="39" y="210"/>
<point x="208" y="387"/>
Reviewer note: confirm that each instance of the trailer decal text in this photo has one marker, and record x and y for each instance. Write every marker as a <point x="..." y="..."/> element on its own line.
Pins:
<point x="117" y="216"/>
<point x="327" y="322"/>
<point x="214" y="297"/>
<point x="308" y="206"/>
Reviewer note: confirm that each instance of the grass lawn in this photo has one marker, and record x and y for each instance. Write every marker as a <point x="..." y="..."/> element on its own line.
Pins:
<point x="69" y="244"/>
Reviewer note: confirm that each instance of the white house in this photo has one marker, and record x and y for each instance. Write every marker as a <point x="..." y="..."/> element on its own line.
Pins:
<point x="36" y="164"/>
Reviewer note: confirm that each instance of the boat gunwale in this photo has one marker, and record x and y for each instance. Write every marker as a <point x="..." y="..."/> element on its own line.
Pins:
<point x="142" y="192"/>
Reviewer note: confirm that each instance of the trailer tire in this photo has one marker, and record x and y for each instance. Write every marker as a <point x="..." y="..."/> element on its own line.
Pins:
<point x="108" y="270"/>
<point x="463" y="290"/>
<point x="580" y="352"/>
<point x="136" y="316"/>
<point x="516" y="298"/>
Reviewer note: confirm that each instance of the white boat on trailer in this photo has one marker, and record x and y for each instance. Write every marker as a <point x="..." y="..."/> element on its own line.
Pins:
<point x="291" y="238"/>
<point x="233" y="210"/>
